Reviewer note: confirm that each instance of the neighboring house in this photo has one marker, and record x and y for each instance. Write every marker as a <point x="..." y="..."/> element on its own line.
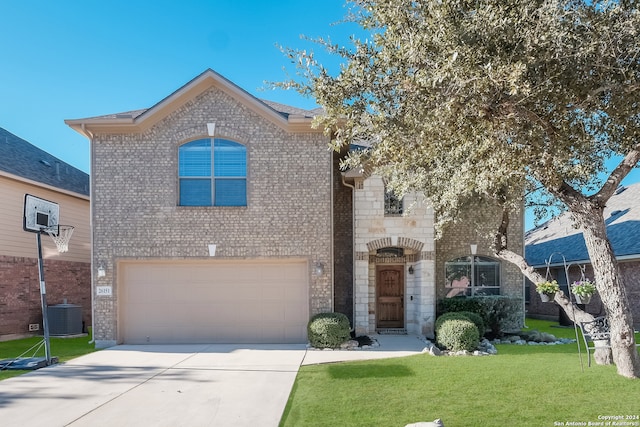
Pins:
<point x="26" y="169"/>
<point x="559" y="248"/>
<point x="219" y="217"/>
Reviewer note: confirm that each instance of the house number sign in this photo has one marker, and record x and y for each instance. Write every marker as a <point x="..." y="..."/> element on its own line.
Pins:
<point x="104" y="291"/>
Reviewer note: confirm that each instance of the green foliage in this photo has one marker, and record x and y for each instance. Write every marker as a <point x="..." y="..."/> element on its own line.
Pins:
<point x="583" y="288"/>
<point x="475" y="318"/>
<point x="328" y="330"/>
<point x="548" y="287"/>
<point x="464" y="303"/>
<point x="469" y="98"/>
<point x="458" y="334"/>
<point x="499" y="313"/>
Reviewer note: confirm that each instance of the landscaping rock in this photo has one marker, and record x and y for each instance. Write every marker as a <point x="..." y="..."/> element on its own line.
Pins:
<point x="435" y="423"/>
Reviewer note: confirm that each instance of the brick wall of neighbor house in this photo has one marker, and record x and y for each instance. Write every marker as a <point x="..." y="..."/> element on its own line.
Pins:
<point x="457" y="237"/>
<point x="630" y="270"/>
<point x="20" y="291"/>
<point x="343" y="242"/>
<point x="135" y="197"/>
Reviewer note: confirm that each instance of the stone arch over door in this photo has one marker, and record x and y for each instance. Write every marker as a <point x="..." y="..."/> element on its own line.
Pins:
<point x="400" y="242"/>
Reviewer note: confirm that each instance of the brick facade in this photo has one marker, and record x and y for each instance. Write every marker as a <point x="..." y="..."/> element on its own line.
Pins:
<point x="20" y="291"/>
<point x="343" y="243"/>
<point x="135" y="198"/>
<point x="457" y="237"/>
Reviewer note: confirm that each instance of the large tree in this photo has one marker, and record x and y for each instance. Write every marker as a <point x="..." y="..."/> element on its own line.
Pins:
<point x="492" y="99"/>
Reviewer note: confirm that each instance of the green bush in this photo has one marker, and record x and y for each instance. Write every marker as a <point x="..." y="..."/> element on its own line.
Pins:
<point x="477" y="320"/>
<point x="458" y="334"/>
<point x="448" y="316"/>
<point x="500" y="313"/>
<point x="328" y="330"/>
<point x="468" y="315"/>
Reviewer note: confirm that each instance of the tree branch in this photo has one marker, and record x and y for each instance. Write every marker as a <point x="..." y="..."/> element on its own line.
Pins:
<point x="617" y="175"/>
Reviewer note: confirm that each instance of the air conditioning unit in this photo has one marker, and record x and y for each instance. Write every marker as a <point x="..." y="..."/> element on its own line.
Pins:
<point x="64" y="319"/>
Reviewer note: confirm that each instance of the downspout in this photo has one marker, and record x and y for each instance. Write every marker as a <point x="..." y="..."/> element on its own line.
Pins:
<point x="353" y="249"/>
<point x="91" y="168"/>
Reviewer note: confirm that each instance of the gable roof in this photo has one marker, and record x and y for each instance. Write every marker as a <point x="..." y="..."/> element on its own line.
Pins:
<point x="289" y="118"/>
<point x="622" y="218"/>
<point x="22" y="159"/>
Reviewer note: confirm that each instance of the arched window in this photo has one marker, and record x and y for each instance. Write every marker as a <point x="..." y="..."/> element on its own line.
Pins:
<point x="212" y="176"/>
<point x="470" y="276"/>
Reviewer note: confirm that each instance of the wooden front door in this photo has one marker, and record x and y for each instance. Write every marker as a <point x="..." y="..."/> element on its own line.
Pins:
<point x="390" y="296"/>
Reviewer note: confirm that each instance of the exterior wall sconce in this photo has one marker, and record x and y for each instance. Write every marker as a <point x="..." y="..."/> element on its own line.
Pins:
<point x="211" y="129"/>
<point x="319" y="268"/>
<point x="411" y="269"/>
<point x="101" y="271"/>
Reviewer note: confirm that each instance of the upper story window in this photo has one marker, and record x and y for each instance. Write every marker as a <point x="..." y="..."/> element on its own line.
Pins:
<point x="212" y="175"/>
<point x="392" y="204"/>
<point x="475" y="275"/>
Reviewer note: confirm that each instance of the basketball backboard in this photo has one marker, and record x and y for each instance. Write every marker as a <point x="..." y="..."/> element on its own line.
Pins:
<point x="39" y="214"/>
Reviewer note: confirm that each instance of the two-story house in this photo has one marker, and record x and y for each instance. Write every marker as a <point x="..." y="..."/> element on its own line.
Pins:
<point x="219" y="217"/>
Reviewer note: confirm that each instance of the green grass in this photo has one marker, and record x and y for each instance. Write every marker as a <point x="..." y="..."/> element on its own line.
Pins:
<point x="63" y="348"/>
<point x="522" y="385"/>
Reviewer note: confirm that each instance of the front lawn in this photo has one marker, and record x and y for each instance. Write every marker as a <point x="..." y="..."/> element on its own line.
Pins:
<point x="63" y="348"/>
<point x="522" y="385"/>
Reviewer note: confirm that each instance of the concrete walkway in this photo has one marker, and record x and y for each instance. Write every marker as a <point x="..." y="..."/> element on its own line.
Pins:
<point x="173" y="385"/>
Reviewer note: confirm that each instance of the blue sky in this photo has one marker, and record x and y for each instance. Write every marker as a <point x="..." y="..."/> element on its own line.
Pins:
<point x="74" y="59"/>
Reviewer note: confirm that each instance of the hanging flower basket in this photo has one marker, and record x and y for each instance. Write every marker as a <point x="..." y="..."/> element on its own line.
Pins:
<point x="547" y="290"/>
<point x="583" y="290"/>
<point x="583" y="300"/>
<point x="547" y="297"/>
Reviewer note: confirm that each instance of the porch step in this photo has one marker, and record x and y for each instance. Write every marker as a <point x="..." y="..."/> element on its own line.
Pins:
<point x="392" y="331"/>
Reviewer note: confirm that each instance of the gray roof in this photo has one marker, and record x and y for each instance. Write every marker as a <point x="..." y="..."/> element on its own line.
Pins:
<point x="622" y="217"/>
<point x="18" y="157"/>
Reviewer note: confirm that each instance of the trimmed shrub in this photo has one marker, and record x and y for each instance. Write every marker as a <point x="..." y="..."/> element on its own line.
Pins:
<point x="328" y="330"/>
<point x="448" y="316"/>
<point x="458" y="334"/>
<point x="477" y="320"/>
<point x="473" y="317"/>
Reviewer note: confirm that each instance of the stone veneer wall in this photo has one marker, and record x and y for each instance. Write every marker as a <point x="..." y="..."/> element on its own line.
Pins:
<point x="342" y="242"/>
<point x="20" y="291"/>
<point x="456" y="240"/>
<point x="135" y="199"/>
<point x="412" y="231"/>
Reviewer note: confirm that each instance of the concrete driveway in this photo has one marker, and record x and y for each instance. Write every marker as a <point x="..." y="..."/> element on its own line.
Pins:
<point x="225" y="385"/>
<point x="189" y="385"/>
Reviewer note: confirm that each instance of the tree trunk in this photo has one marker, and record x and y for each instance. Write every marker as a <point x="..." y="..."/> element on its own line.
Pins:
<point x="611" y="288"/>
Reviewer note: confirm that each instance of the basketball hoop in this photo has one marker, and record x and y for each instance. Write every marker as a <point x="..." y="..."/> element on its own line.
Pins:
<point x="61" y="235"/>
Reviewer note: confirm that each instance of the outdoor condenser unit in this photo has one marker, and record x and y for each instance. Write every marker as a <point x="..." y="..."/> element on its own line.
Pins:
<point x="65" y="319"/>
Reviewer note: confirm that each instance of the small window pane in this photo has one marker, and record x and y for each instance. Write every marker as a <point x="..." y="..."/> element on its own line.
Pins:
<point x="195" y="192"/>
<point x="230" y="159"/>
<point x="231" y="192"/>
<point x="195" y="158"/>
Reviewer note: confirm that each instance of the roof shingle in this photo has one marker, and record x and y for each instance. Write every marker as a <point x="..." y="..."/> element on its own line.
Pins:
<point x="18" y="157"/>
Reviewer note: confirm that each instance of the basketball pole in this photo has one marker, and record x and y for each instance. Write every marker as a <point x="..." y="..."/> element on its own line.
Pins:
<point x="43" y="299"/>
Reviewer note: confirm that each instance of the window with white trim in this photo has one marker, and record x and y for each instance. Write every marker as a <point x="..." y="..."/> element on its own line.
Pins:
<point x="212" y="172"/>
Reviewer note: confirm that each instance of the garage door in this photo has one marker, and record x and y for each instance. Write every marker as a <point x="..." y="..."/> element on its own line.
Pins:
<point x="213" y="302"/>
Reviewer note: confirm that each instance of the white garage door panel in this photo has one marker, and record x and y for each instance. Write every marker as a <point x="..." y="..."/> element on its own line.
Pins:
<point x="213" y="301"/>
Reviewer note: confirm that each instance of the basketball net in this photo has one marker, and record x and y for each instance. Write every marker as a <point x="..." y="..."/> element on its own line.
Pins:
<point x="61" y="236"/>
